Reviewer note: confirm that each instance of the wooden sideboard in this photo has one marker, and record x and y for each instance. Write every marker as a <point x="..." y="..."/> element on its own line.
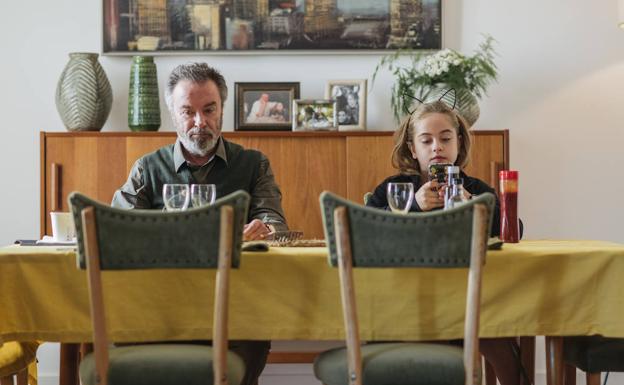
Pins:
<point x="304" y="163"/>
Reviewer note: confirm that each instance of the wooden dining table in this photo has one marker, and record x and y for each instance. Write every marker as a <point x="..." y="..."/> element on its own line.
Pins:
<point x="541" y="287"/>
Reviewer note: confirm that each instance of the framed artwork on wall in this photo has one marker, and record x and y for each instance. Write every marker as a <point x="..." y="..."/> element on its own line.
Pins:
<point x="314" y="115"/>
<point x="264" y="106"/>
<point x="161" y="26"/>
<point x="350" y="96"/>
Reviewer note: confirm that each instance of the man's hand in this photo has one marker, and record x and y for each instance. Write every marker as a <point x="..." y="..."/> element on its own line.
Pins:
<point x="255" y="230"/>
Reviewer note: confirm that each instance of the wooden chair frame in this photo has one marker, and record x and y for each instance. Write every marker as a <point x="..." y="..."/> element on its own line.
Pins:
<point x="21" y="377"/>
<point x="472" y="357"/>
<point x="100" y="338"/>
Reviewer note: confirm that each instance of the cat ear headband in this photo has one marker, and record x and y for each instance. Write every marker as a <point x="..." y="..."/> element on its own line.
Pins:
<point x="449" y="97"/>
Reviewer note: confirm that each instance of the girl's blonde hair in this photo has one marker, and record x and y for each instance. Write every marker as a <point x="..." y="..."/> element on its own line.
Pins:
<point x="402" y="156"/>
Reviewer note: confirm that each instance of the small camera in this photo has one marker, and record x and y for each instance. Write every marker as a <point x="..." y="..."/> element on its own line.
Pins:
<point x="437" y="171"/>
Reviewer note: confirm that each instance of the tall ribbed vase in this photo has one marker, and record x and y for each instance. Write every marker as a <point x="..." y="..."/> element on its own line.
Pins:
<point x="83" y="93"/>
<point x="143" y="101"/>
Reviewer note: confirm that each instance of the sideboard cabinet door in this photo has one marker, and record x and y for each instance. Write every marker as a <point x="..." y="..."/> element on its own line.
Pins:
<point x="303" y="167"/>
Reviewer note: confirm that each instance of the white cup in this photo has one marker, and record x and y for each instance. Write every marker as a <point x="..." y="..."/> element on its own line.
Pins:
<point x="63" y="229"/>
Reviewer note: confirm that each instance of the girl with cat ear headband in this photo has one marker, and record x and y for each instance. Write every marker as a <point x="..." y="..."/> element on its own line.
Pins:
<point x="435" y="133"/>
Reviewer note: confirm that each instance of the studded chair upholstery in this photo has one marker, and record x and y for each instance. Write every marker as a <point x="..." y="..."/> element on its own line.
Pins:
<point x="593" y="355"/>
<point x="359" y="237"/>
<point x="203" y="238"/>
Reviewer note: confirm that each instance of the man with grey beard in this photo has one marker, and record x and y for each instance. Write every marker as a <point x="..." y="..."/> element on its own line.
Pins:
<point x="195" y="95"/>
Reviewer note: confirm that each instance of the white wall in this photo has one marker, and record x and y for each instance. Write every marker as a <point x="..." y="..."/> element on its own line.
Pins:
<point x="560" y="91"/>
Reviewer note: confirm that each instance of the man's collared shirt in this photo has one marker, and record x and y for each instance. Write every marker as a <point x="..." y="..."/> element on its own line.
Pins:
<point x="143" y="189"/>
<point x="199" y="172"/>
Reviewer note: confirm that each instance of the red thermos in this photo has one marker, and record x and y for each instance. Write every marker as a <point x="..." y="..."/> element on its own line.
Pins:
<point x="509" y="231"/>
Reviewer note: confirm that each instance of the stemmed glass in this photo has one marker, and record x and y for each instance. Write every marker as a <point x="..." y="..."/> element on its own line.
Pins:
<point x="176" y="196"/>
<point x="400" y="197"/>
<point x="203" y="194"/>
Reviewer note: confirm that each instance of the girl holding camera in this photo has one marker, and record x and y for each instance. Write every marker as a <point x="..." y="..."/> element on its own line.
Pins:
<point x="434" y="134"/>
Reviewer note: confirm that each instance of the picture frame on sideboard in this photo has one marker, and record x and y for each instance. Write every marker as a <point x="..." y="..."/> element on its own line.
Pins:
<point x="264" y="106"/>
<point x="350" y="96"/>
<point x="314" y="115"/>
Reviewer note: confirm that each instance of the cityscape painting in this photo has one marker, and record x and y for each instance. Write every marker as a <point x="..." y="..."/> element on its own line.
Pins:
<point x="261" y="25"/>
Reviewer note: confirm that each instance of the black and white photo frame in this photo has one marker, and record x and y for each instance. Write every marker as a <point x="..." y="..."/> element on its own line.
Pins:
<point x="350" y="97"/>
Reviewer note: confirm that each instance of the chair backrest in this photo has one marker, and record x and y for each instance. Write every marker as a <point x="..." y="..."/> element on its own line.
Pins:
<point x="380" y="238"/>
<point x="115" y="239"/>
<point x="359" y="236"/>
<point x="143" y="239"/>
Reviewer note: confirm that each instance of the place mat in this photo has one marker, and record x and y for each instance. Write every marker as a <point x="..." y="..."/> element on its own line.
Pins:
<point x="255" y="246"/>
<point x="298" y="243"/>
<point x="285" y="236"/>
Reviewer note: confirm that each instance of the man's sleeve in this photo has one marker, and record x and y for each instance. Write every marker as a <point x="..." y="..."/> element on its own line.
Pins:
<point x="134" y="193"/>
<point x="266" y="198"/>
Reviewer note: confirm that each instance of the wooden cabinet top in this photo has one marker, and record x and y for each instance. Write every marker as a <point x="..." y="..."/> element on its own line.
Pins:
<point x="243" y="134"/>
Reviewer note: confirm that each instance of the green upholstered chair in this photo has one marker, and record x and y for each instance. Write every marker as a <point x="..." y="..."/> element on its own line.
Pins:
<point x="15" y="358"/>
<point x="208" y="237"/>
<point x="359" y="237"/>
<point x="490" y="376"/>
<point x="593" y="355"/>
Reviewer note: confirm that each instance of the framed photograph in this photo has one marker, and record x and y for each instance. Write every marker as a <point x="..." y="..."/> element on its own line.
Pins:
<point x="350" y="97"/>
<point x="314" y="115"/>
<point x="160" y="26"/>
<point x="264" y="106"/>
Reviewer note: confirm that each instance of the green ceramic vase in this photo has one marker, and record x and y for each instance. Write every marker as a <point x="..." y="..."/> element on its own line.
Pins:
<point x="143" y="99"/>
<point x="83" y="93"/>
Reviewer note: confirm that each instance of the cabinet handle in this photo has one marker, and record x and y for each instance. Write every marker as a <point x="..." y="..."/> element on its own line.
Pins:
<point x="54" y="187"/>
<point x="494" y="169"/>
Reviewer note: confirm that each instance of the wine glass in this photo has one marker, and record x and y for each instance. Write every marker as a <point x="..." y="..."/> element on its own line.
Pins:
<point x="400" y="197"/>
<point x="203" y="194"/>
<point x="176" y="196"/>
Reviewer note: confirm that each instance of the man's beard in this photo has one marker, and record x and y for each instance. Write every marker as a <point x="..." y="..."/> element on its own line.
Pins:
<point x="198" y="145"/>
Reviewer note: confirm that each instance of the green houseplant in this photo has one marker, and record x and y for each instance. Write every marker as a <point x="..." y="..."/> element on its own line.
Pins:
<point x="427" y="76"/>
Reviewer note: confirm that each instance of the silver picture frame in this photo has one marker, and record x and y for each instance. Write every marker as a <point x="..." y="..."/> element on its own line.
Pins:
<point x="350" y="96"/>
<point x="314" y="115"/>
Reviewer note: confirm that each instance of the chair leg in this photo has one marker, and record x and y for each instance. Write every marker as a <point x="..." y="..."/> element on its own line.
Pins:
<point x="569" y="375"/>
<point x="527" y="354"/>
<point x="554" y="360"/>
<point x="22" y="377"/>
<point x="69" y="360"/>
<point x="8" y="380"/>
<point x="593" y="378"/>
<point x="85" y="348"/>
<point x="490" y="375"/>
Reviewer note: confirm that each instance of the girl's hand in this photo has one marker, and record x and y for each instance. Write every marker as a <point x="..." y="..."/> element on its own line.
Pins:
<point x="430" y="196"/>
<point x="442" y="191"/>
<point x="467" y="195"/>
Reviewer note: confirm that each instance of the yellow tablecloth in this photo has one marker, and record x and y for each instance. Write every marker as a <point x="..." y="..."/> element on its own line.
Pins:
<point x="530" y="288"/>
